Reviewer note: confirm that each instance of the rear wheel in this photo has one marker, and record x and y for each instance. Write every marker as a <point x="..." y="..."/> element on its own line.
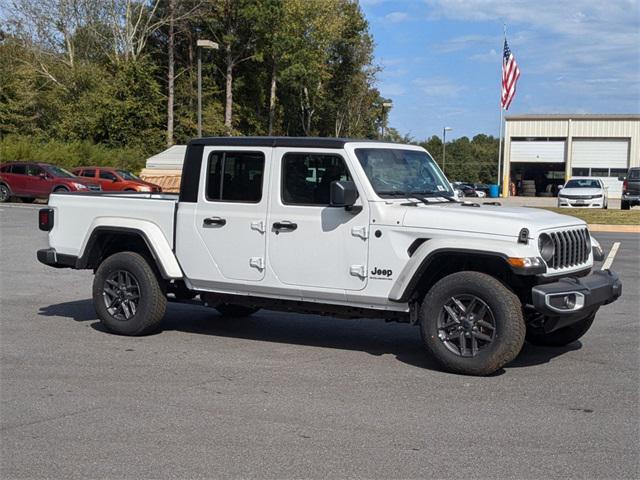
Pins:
<point x="471" y="323"/>
<point x="563" y="336"/>
<point x="5" y="193"/>
<point x="127" y="295"/>
<point x="233" y="310"/>
<point x="624" y="205"/>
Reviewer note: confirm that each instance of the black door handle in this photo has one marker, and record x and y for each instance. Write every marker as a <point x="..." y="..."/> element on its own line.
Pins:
<point x="285" y="226"/>
<point x="214" y="221"/>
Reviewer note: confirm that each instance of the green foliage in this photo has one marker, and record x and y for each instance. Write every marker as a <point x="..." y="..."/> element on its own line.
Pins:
<point x="467" y="160"/>
<point x="69" y="154"/>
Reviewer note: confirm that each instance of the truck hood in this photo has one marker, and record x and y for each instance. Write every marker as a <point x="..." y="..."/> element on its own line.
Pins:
<point x="485" y="219"/>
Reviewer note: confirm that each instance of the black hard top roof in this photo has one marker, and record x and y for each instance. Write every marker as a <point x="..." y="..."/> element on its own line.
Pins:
<point x="304" y="142"/>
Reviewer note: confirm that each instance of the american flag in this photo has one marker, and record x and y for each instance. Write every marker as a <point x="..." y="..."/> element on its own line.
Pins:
<point x="510" y="75"/>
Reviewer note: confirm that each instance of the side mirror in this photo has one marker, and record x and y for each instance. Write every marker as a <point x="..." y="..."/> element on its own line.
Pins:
<point x="114" y="180"/>
<point x="43" y="176"/>
<point x="622" y="178"/>
<point x="560" y="187"/>
<point x="342" y="194"/>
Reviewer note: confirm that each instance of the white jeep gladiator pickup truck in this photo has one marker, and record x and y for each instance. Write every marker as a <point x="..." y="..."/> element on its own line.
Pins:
<point x="338" y="227"/>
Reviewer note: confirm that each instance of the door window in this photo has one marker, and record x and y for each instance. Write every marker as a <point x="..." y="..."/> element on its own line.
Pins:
<point x="34" y="171"/>
<point x="307" y="177"/>
<point x="19" y="169"/>
<point x="107" y="176"/>
<point x="88" y="173"/>
<point x="235" y="177"/>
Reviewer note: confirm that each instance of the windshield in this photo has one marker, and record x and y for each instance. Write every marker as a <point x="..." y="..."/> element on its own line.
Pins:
<point x="398" y="172"/>
<point x="127" y="175"/>
<point x="582" y="183"/>
<point x="60" y="172"/>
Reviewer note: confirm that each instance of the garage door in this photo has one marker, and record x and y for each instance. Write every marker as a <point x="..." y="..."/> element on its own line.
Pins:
<point x="537" y="152"/>
<point x="602" y="157"/>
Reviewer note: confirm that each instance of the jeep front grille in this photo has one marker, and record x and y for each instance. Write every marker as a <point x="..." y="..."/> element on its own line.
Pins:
<point x="571" y="248"/>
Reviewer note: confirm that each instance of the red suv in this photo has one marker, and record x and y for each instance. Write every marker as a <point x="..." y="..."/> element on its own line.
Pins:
<point x="29" y="181"/>
<point x="115" y="179"/>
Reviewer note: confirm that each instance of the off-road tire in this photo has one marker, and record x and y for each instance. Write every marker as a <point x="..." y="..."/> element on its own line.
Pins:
<point x="152" y="301"/>
<point x="233" y="310"/>
<point x="563" y="336"/>
<point x="507" y="312"/>
<point x="625" y="205"/>
<point x="5" y="193"/>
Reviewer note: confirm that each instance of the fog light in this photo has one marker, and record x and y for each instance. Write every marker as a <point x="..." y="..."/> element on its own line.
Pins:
<point x="565" y="302"/>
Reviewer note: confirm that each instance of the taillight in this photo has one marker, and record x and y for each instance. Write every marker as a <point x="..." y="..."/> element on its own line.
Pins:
<point x="45" y="219"/>
<point x="625" y="185"/>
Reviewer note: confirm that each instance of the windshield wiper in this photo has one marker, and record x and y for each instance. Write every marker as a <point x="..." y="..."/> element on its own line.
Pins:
<point x="422" y="196"/>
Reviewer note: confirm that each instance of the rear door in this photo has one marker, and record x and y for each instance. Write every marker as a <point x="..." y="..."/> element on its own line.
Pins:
<point x="310" y="243"/>
<point x="231" y="213"/>
<point x="17" y="178"/>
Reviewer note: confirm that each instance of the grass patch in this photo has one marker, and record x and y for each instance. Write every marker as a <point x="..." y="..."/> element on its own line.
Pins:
<point x="601" y="216"/>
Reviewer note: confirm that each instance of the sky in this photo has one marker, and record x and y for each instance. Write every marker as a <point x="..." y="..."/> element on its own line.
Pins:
<point x="441" y="60"/>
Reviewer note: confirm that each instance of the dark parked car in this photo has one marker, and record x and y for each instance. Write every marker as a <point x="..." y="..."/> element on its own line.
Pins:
<point x="631" y="189"/>
<point x="29" y="181"/>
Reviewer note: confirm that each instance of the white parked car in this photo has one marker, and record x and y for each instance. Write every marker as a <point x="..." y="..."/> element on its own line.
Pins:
<point x="335" y="227"/>
<point x="583" y="192"/>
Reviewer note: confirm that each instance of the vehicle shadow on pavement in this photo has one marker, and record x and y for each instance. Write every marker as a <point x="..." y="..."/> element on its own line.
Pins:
<point x="79" y="310"/>
<point x="373" y="336"/>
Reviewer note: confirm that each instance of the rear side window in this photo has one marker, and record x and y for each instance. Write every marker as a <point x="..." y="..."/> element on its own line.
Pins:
<point x="235" y="177"/>
<point x="307" y="177"/>
<point x="5" y="169"/>
<point x="634" y="174"/>
<point x="19" y="169"/>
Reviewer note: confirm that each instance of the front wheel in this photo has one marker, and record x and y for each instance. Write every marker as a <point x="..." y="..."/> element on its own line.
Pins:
<point x="563" y="336"/>
<point x="127" y="295"/>
<point x="471" y="323"/>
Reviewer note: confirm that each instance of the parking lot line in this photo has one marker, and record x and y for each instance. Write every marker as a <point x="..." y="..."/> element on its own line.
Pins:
<point x="612" y="254"/>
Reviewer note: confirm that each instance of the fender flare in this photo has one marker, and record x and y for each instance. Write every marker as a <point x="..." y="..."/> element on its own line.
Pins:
<point x="149" y="232"/>
<point x="412" y="272"/>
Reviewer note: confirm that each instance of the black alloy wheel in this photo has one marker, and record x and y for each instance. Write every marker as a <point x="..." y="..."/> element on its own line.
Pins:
<point x="466" y="325"/>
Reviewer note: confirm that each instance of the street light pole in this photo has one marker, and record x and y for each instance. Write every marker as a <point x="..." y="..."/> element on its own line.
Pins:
<point x="200" y="44"/>
<point x="444" y="146"/>
<point x="387" y="105"/>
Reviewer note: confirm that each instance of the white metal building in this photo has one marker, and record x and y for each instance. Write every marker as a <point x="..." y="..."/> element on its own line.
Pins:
<point x="550" y="149"/>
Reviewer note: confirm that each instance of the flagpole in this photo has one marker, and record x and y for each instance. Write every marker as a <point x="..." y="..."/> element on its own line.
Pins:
<point x="500" y="151"/>
<point x="500" y="187"/>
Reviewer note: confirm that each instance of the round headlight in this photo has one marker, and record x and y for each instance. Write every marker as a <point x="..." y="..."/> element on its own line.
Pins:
<point x="546" y="247"/>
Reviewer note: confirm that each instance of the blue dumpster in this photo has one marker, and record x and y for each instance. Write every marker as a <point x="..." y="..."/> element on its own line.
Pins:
<point x="493" y="191"/>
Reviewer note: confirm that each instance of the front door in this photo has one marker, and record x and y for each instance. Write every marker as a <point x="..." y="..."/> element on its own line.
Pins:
<point x="310" y="243"/>
<point x="231" y="213"/>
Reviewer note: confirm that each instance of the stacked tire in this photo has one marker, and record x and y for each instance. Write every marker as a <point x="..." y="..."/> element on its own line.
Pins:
<point x="528" y="188"/>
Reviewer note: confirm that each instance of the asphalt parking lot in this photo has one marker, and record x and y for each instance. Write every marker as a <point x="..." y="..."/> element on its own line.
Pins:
<point x="284" y="395"/>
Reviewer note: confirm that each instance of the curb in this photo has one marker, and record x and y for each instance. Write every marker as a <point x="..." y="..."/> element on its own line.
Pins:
<point x="594" y="227"/>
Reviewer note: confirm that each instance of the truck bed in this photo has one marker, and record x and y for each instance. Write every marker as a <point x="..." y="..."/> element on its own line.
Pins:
<point x="82" y="212"/>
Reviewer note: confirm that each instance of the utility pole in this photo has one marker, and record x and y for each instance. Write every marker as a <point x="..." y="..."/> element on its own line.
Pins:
<point x="444" y="146"/>
<point x="200" y="44"/>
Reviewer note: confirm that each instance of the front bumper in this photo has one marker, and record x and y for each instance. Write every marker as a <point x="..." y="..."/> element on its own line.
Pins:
<point x="571" y="299"/>
<point x="564" y="202"/>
